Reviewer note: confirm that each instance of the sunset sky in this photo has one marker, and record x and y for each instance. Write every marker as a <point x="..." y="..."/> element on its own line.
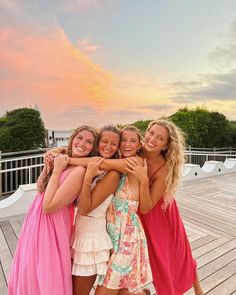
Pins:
<point x="117" y="61"/>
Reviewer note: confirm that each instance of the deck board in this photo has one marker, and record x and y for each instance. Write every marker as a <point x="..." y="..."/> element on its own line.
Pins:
<point x="208" y="209"/>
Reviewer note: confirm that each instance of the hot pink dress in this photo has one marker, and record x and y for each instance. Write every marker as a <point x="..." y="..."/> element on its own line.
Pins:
<point x="42" y="262"/>
<point x="172" y="264"/>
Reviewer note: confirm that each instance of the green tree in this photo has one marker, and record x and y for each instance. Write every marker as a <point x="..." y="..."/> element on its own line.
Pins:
<point x="142" y="125"/>
<point x="22" y="129"/>
<point x="232" y="125"/>
<point x="203" y="128"/>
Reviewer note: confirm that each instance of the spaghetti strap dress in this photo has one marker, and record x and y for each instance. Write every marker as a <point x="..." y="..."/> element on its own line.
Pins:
<point x="42" y="263"/>
<point x="172" y="263"/>
<point x="91" y="243"/>
<point x="129" y="265"/>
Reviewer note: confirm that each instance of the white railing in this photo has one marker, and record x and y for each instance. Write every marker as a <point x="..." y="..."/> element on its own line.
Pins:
<point x="19" y="170"/>
<point x="196" y="157"/>
<point x="26" y="169"/>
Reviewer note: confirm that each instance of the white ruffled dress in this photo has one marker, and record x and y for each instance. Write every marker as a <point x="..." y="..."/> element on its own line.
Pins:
<point x="91" y="243"/>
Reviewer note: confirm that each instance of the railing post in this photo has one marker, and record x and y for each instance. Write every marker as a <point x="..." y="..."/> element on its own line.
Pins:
<point x="190" y="155"/>
<point x="0" y="175"/>
<point x="29" y="180"/>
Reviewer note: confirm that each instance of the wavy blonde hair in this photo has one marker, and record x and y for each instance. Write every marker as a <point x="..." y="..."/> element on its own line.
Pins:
<point x="174" y="156"/>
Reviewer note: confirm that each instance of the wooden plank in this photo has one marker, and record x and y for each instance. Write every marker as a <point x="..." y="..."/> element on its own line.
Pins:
<point x="3" y="284"/>
<point x="216" y="264"/>
<point x="16" y="226"/>
<point x="205" y="223"/>
<point x="192" y="229"/>
<point x="207" y="218"/>
<point x="10" y="236"/>
<point x="208" y="257"/>
<point x="225" y="277"/>
<point x="214" y="211"/>
<point x="5" y="255"/>
<point x="210" y="197"/>
<point x="216" y="214"/>
<point x="202" y="241"/>
<point x="208" y="247"/>
<point x="201" y="228"/>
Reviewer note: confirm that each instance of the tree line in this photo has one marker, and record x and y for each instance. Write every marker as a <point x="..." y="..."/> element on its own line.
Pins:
<point x="202" y="128"/>
<point x="23" y="129"/>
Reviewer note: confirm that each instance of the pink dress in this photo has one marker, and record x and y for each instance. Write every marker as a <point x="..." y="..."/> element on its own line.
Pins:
<point x="173" y="267"/>
<point x="42" y="263"/>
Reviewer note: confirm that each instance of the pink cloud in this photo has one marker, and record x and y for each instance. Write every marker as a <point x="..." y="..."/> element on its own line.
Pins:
<point x="49" y="68"/>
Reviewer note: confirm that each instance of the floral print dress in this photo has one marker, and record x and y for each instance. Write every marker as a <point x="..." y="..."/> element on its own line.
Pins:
<point x="129" y="265"/>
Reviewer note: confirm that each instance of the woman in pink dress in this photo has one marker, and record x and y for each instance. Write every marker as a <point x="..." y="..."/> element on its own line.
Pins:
<point x="42" y="263"/>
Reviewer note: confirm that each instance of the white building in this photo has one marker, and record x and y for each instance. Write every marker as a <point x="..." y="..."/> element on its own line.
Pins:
<point x="58" y="138"/>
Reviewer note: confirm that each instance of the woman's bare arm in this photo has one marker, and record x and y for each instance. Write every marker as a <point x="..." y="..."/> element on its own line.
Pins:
<point x="88" y="200"/>
<point x="107" y="164"/>
<point x="149" y="196"/>
<point x="56" y="195"/>
<point x="80" y="161"/>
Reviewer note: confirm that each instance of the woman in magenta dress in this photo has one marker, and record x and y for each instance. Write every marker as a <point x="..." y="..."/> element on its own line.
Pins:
<point x="42" y="263"/>
<point x="173" y="267"/>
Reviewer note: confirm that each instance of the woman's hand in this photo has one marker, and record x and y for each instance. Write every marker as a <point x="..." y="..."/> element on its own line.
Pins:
<point x="48" y="160"/>
<point x="60" y="163"/>
<point x="93" y="168"/>
<point x="135" y="168"/>
<point x="49" y="157"/>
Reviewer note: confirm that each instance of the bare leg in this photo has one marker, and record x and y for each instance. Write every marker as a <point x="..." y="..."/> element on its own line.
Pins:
<point x="197" y="287"/>
<point x="83" y="285"/>
<point x="101" y="290"/>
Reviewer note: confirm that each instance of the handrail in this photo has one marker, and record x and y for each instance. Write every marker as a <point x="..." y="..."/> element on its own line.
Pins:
<point x="21" y="158"/>
<point x="23" y="168"/>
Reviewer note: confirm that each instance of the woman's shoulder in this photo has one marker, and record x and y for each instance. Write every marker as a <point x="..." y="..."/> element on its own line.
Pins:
<point x="158" y="168"/>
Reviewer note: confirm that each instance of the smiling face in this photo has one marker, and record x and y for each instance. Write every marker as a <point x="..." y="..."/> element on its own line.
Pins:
<point x="156" y="138"/>
<point x="130" y="143"/>
<point x="83" y="143"/>
<point x="108" y="144"/>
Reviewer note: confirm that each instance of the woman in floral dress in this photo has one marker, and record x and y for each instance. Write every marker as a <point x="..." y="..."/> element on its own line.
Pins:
<point x="129" y="266"/>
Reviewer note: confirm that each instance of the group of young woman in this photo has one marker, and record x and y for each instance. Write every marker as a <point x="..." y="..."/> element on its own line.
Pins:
<point x="105" y="210"/>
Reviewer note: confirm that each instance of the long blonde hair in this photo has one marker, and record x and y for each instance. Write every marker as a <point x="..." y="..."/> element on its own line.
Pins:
<point x="174" y="156"/>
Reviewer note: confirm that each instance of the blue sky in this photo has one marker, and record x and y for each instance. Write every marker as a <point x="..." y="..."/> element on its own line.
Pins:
<point x="99" y="62"/>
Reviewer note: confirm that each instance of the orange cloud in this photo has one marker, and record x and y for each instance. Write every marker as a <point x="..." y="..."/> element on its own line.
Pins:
<point x="49" y="68"/>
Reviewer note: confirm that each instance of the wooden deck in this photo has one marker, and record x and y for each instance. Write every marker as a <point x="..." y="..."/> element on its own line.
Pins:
<point x="208" y="208"/>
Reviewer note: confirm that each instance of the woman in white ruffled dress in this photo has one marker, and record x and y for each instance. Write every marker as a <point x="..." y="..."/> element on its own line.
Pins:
<point x="91" y="243"/>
